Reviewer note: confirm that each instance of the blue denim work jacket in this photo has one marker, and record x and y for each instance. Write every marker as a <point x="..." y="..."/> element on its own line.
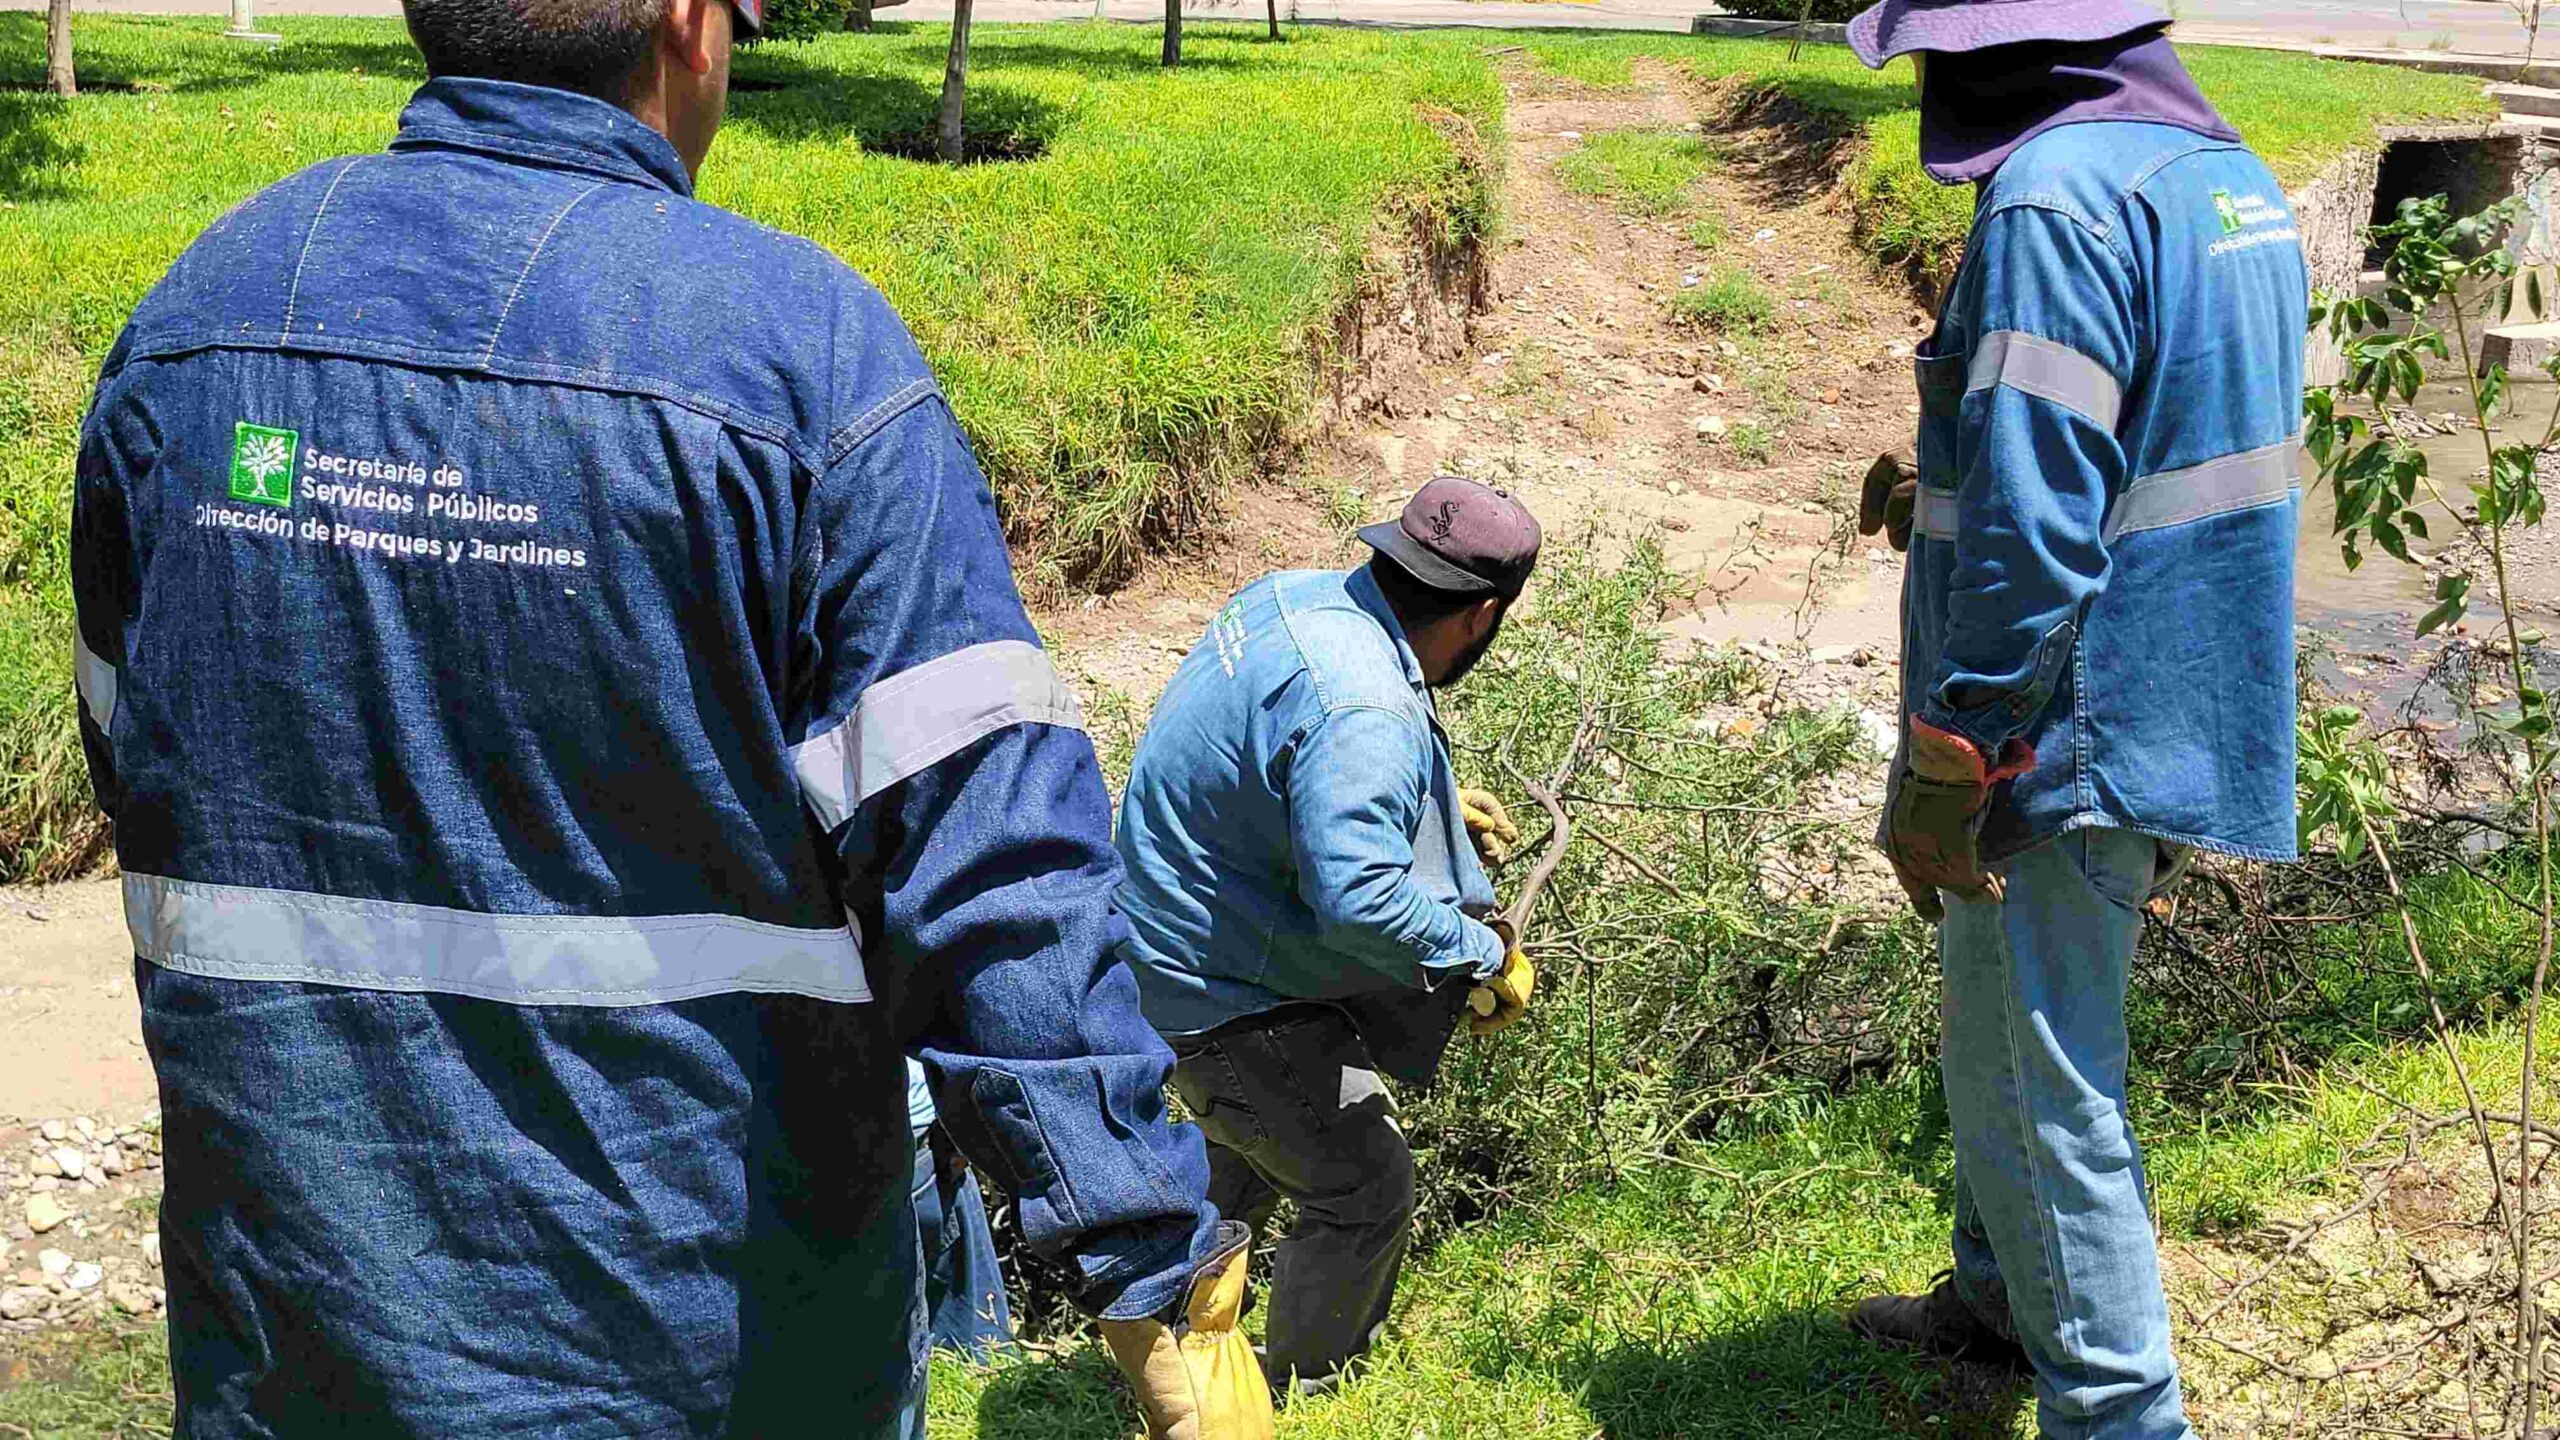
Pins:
<point x="1291" y="828"/>
<point x="503" y="576"/>
<point x="2109" y="459"/>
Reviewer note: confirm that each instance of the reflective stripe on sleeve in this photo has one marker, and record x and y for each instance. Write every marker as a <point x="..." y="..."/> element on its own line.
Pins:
<point x="2233" y="482"/>
<point x="1933" y="513"/>
<point x="916" y="718"/>
<point x="97" y="681"/>
<point x="2048" y="370"/>
<point x="238" y="932"/>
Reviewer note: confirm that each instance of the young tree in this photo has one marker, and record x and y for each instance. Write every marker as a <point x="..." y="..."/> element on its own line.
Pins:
<point x="1273" y="7"/>
<point x="57" y="50"/>
<point x="955" y="82"/>
<point x="1172" y="33"/>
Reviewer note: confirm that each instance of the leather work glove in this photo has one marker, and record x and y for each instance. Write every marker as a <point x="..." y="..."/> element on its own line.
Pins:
<point x="1892" y="488"/>
<point x="1504" y="997"/>
<point x="1197" y="1379"/>
<point x="1487" y="825"/>
<point x="1934" y="820"/>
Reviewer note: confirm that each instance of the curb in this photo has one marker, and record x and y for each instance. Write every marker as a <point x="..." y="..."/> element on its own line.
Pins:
<point x="1735" y="28"/>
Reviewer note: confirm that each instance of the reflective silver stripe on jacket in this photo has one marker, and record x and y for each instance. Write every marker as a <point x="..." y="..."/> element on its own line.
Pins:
<point x="916" y="718"/>
<point x="2047" y="370"/>
<point x="97" y="681"/>
<point x="2234" y="482"/>
<point x="2165" y="498"/>
<point x="236" y="932"/>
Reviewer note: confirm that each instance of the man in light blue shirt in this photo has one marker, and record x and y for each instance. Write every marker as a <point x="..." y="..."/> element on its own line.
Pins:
<point x="1306" y="902"/>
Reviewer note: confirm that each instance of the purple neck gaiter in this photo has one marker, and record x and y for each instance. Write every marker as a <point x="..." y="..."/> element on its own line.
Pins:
<point x="1979" y="106"/>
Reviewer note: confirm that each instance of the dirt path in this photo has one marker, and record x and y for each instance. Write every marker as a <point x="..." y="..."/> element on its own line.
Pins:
<point x="1582" y="393"/>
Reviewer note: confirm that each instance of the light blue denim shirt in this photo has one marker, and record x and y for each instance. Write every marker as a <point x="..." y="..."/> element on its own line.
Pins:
<point x="1291" y="829"/>
<point x="2109" y="456"/>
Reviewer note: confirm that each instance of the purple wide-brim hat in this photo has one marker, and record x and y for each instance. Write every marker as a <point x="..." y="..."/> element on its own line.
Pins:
<point x="1898" y="27"/>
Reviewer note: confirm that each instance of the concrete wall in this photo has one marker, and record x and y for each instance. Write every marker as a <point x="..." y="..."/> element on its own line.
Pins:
<point x="2476" y="165"/>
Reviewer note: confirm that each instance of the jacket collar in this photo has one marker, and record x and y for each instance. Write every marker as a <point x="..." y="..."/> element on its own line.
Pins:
<point x="1364" y="592"/>
<point x="529" y="124"/>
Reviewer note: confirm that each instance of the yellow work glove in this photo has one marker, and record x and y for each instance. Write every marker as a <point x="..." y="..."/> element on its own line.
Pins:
<point x="1487" y="825"/>
<point x="1197" y="1379"/>
<point x="1504" y="997"/>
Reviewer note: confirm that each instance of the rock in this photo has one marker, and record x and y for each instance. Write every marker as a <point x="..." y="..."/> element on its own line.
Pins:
<point x="30" y="1277"/>
<point x="55" y="1130"/>
<point x="1568" y="134"/>
<point x="44" y="1212"/>
<point x="85" y="1275"/>
<point x="45" y="1164"/>
<point x="1763" y="236"/>
<point x="1731" y="351"/>
<point x="1832" y="654"/>
<point x="1741" y="727"/>
<point x="151" y="1249"/>
<point x="1710" y="427"/>
<point x="19" y="1302"/>
<point x="1831" y="396"/>
<point x="131" y="1299"/>
<point x="46" y="1182"/>
<point x="87" y="1127"/>
<point x="73" y="1163"/>
<point x="112" y="1162"/>
<point x="1709" y="384"/>
<point x="53" y="1262"/>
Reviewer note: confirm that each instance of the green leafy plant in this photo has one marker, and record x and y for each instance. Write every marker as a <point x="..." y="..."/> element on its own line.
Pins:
<point x="2387" y="494"/>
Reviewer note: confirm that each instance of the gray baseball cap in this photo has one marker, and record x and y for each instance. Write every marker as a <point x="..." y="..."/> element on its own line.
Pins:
<point x="1460" y="536"/>
<point x="1898" y="27"/>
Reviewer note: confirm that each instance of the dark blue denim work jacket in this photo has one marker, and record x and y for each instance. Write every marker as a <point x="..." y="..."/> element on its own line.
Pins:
<point x="555" y="669"/>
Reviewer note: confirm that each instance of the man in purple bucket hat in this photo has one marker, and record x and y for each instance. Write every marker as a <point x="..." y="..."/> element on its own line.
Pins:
<point x="2097" y="656"/>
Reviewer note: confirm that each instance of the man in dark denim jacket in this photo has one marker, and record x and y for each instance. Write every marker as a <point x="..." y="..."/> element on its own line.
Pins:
<point x="557" y="675"/>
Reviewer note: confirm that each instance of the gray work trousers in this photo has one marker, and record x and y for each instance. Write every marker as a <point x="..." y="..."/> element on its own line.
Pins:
<point x="1292" y="1107"/>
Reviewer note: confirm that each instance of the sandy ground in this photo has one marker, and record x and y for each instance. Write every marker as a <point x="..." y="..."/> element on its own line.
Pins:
<point x="69" y="1036"/>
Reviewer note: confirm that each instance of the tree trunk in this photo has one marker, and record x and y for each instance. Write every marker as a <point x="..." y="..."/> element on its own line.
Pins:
<point x="57" y="50"/>
<point x="1172" y="32"/>
<point x="955" y="85"/>
<point x="858" y="19"/>
<point x="1272" y="7"/>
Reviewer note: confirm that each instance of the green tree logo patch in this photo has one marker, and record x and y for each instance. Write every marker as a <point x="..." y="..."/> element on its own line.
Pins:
<point x="262" y="464"/>
<point x="2230" y="213"/>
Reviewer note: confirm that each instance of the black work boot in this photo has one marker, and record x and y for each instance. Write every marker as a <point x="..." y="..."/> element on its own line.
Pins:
<point x="1938" y="1323"/>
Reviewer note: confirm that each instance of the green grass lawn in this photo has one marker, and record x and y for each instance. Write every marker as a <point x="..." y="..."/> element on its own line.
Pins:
<point x="2299" y="113"/>
<point x="1123" y="323"/>
<point x="1697" y="1300"/>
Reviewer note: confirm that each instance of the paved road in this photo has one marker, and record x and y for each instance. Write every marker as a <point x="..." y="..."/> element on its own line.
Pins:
<point x="2485" y="27"/>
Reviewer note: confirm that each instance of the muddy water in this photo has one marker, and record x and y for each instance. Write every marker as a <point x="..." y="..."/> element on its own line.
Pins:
<point x="2368" y="616"/>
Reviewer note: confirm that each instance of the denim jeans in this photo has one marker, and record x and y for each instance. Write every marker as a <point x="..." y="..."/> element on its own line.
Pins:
<point x="2053" y="1238"/>
<point x="963" y="1285"/>
<point x="1292" y="1107"/>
